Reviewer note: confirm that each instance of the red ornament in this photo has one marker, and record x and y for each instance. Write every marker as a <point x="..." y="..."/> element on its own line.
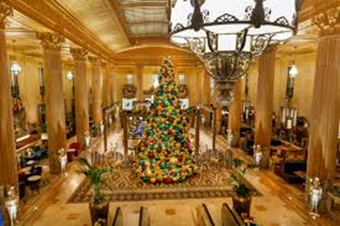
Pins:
<point x="151" y="155"/>
<point x="168" y="180"/>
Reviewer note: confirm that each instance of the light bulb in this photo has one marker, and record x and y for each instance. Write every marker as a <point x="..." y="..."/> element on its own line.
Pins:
<point x="15" y="68"/>
<point x="293" y="72"/>
<point x="69" y="75"/>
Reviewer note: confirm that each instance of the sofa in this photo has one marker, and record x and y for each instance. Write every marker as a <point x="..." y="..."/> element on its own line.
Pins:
<point x="287" y="169"/>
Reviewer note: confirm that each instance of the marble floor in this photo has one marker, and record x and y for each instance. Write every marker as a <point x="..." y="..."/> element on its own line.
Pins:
<point x="281" y="203"/>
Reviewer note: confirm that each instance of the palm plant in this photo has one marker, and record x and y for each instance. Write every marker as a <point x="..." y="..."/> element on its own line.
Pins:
<point x="238" y="179"/>
<point x="95" y="175"/>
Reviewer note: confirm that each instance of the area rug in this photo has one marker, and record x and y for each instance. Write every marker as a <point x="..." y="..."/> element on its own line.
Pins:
<point x="125" y="186"/>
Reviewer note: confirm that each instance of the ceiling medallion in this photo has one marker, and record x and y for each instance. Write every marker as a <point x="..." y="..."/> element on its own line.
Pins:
<point x="227" y="37"/>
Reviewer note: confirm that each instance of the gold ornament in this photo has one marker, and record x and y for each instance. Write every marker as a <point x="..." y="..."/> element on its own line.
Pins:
<point x="173" y="161"/>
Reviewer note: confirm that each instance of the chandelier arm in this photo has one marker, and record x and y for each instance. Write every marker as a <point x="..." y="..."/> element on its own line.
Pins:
<point x="243" y="37"/>
<point x="210" y="44"/>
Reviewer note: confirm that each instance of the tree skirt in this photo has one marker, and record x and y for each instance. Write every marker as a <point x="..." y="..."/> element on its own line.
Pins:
<point x="125" y="186"/>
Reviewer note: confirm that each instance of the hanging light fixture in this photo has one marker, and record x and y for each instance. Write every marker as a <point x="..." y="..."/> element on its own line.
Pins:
<point x="15" y="66"/>
<point x="226" y="37"/>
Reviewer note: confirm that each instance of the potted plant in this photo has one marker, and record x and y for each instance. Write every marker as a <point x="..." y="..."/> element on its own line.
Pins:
<point x="99" y="206"/>
<point x="242" y="193"/>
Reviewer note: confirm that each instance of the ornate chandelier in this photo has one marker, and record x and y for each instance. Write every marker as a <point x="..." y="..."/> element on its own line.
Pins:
<point x="227" y="35"/>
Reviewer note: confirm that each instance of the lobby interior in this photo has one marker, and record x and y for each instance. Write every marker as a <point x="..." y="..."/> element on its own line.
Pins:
<point x="105" y="86"/>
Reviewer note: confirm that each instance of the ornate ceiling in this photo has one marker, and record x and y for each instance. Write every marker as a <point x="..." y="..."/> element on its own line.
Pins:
<point x="108" y="27"/>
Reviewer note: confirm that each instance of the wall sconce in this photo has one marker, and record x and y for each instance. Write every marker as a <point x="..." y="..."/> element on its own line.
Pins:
<point x="155" y="81"/>
<point x="293" y="71"/>
<point x="69" y="75"/>
<point x="129" y="79"/>
<point x="181" y="79"/>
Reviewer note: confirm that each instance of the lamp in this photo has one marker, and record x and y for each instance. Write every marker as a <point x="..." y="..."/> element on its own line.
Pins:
<point x="226" y="37"/>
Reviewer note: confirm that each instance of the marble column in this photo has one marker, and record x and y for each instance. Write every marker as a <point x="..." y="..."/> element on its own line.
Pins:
<point x="324" y="115"/>
<point x="97" y="89"/>
<point x="140" y="95"/>
<point x="264" y="98"/>
<point x="235" y="113"/>
<point x="81" y="93"/>
<point x="55" y="107"/>
<point x="8" y="163"/>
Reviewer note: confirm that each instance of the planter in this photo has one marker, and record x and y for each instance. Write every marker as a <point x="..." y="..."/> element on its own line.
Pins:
<point x="99" y="211"/>
<point x="241" y="205"/>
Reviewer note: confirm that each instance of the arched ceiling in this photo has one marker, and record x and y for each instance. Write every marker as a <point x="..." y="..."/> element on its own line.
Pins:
<point x="110" y="27"/>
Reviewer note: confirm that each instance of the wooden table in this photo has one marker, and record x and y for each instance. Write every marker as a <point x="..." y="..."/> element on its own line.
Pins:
<point x="34" y="178"/>
<point x="286" y="149"/>
<point x="26" y="170"/>
<point x="31" y="162"/>
<point x="301" y="174"/>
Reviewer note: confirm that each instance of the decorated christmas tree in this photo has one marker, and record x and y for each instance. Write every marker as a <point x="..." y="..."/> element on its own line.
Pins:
<point x="165" y="153"/>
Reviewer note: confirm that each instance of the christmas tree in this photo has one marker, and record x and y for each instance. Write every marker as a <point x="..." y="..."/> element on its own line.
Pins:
<point x="165" y="153"/>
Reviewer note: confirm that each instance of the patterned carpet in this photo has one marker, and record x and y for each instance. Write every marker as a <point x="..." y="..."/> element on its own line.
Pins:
<point x="125" y="186"/>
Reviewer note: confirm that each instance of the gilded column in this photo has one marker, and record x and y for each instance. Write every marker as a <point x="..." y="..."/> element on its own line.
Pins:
<point x="105" y="100"/>
<point x="324" y="120"/>
<point x="111" y="77"/>
<point x="218" y="114"/>
<point x="8" y="163"/>
<point x="235" y="113"/>
<point x="140" y="95"/>
<point x="264" y="98"/>
<point x="206" y="88"/>
<point x="81" y="93"/>
<point x="55" y="108"/>
<point x="97" y="89"/>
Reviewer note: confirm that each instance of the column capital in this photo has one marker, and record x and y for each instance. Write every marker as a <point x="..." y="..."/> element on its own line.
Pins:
<point x="95" y="61"/>
<point x="5" y="11"/>
<point x="328" y="22"/>
<point x="111" y="64"/>
<point x="50" y="40"/>
<point x="79" y="53"/>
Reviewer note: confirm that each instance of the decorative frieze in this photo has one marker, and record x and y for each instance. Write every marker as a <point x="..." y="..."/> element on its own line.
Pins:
<point x="95" y="61"/>
<point x="79" y="53"/>
<point x="328" y="22"/>
<point x="5" y="11"/>
<point x="51" y="40"/>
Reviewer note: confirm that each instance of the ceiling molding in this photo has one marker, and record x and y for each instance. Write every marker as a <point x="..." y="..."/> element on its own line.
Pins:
<point x="51" y="15"/>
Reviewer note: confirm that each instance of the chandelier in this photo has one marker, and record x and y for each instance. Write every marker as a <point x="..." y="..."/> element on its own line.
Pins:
<point x="227" y="35"/>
